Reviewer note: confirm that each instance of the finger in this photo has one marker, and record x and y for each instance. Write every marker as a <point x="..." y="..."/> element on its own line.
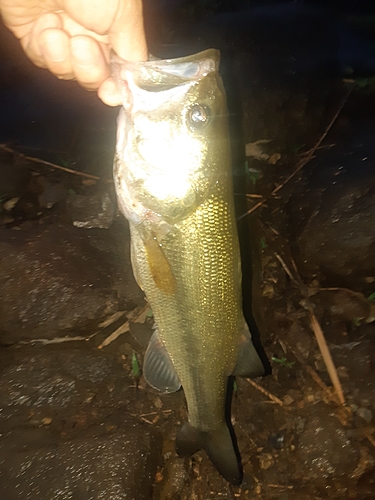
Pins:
<point x="127" y="34"/>
<point x="88" y="62"/>
<point x="74" y="28"/>
<point x="107" y="92"/>
<point x="55" y="49"/>
<point x="31" y="38"/>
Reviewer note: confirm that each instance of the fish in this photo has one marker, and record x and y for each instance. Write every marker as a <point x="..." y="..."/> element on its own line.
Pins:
<point x="173" y="179"/>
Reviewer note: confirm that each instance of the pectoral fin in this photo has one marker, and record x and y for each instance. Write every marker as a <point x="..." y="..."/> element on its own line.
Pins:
<point x="160" y="268"/>
<point x="158" y="368"/>
<point x="218" y="445"/>
<point x="248" y="361"/>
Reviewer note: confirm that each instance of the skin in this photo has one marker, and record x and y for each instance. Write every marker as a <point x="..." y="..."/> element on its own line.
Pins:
<point x="73" y="38"/>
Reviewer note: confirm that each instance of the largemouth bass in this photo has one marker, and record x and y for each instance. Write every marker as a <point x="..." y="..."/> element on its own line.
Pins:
<point x="173" y="180"/>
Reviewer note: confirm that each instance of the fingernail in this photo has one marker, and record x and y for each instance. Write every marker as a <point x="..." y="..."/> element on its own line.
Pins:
<point x="82" y="53"/>
<point x="53" y="49"/>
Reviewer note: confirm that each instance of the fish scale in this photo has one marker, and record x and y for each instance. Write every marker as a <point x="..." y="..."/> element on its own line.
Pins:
<point x="173" y="181"/>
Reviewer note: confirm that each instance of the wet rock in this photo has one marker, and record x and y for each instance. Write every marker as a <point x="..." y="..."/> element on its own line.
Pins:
<point x="15" y="176"/>
<point x="324" y="448"/>
<point x="176" y="477"/>
<point x="343" y="237"/>
<point x="348" y="355"/>
<point x="343" y="305"/>
<point x="115" y="465"/>
<point x="91" y="211"/>
<point x="332" y="216"/>
<point x="57" y="280"/>
<point x="52" y="193"/>
<point x="65" y="430"/>
<point x="56" y="384"/>
<point x="366" y="414"/>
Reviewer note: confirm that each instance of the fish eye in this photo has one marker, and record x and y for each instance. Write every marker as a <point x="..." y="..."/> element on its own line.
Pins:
<point x="198" y="116"/>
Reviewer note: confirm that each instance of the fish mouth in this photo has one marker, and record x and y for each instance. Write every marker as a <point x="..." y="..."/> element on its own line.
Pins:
<point x="165" y="73"/>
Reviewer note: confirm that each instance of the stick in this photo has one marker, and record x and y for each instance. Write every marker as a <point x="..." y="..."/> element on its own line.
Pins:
<point x="137" y="315"/>
<point x="265" y="392"/>
<point x="49" y="164"/>
<point x="285" y="267"/>
<point x="319" y="335"/>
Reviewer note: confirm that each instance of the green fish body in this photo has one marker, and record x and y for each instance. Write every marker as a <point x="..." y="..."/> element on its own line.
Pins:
<point x="173" y="180"/>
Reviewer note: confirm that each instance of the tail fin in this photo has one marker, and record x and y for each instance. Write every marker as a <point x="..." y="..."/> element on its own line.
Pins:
<point x="218" y="445"/>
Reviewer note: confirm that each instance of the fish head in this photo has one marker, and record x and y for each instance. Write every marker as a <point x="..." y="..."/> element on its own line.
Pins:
<point x="172" y="135"/>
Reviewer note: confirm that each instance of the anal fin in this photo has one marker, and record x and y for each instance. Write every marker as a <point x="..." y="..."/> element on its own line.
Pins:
<point x="248" y="361"/>
<point x="158" y="368"/>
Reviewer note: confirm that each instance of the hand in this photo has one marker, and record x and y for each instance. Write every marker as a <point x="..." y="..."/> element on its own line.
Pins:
<point x="72" y="38"/>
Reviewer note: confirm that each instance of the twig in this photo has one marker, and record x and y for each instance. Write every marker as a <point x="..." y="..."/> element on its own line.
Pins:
<point x="285" y="267"/>
<point x="319" y="381"/>
<point x="57" y="340"/>
<point x="369" y="436"/>
<point x="166" y="412"/>
<point x="281" y="486"/>
<point x="49" y="164"/>
<point x="265" y="392"/>
<point x="251" y="210"/>
<point x="320" y="338"/>
<point x="114" y="335"/>
<point x="307" y="157"/>
<point x="112" y="319"/>
<point x="248" y="195"/>
<point x="316" y="328"/>
<point x="331" y="368"/>
<point x="137" y="315"/>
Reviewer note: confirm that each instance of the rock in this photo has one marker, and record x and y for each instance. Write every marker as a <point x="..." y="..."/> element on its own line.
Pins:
<point x="176" y="477"/>
<point x="348" y="355"/>
<point x="52" y="194"/>
<point x="115" y="465"/>
<point x="366" y="414"/>
<point x="64" y="428"/>
<point x="15" y="176"/>
<point x="343" y="238"/>
<point x="61" y="383"/>
<point x="91" y="211"/>
<point x="343" y="304"/>
<point x="332" y="213"/>
<point x="57" y="280"/>
<point x="325" y="449"/>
